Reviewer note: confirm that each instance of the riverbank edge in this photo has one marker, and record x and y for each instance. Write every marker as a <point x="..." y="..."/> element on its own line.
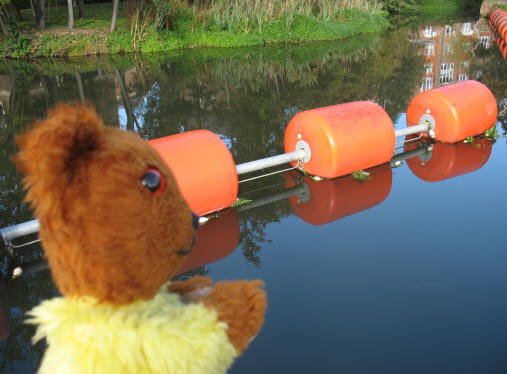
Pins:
<point x="58" y="43"/>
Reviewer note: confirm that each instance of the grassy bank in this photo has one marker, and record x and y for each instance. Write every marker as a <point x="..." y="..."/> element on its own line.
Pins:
<point x="140" y="29"/>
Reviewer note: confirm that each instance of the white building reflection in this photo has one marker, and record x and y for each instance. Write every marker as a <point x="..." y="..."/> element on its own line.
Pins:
<point x="448" y="50"/>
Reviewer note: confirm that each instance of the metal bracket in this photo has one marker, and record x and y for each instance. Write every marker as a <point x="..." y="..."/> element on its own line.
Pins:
<point x="301" y="145"/>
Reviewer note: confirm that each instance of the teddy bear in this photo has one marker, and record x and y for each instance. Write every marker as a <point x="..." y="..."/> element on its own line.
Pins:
<point x="114" y="229"/>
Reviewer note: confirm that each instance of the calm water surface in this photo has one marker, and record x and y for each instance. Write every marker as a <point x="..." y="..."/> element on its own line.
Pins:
<point x="404" y="273"/>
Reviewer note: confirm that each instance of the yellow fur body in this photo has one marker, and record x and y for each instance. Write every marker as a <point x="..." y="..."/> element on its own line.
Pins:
<point x="161" y="335"/>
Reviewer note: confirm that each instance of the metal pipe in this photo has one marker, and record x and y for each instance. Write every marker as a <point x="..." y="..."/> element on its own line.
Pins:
<point x="21" y="229"/>
<point x="423" y="127"/>
<point x="268" y="162"/>
<point x="422" y="151"/>
<point x="273" y="198"/>
<point x="30" y="267"/>
<point x="30" y="227"/>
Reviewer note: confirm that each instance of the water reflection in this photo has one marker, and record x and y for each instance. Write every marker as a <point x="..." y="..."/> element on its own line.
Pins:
<point x="247" y="96"/>
<point x="217" y="239"/>
<point x="449" y="51"/>
<point x="450" y="160"/>
<point x="330" y="200"/>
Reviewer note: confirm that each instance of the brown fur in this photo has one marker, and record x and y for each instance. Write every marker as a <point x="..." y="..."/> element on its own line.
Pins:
<point x="242" y="305"/>
<point x="190" y="285"/>
<point x="107" y="236"/>
<point x="104" y="235"/>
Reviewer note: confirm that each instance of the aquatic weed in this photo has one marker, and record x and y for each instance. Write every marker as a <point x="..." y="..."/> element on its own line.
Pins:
<point x="361" y="175"/>
<point x="492" y="133"/>
<point x="469" y="140"/>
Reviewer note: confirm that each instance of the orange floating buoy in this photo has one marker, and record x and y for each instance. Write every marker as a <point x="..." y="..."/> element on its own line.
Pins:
<point x="330" y="200"/>
<point x="203" y="168"/>
<point x="217" y="239"/>
<point x="501" y="24"/>
<point x="458" y="110"/>
<point x="450" y="160"/>
<point x="342" y="138"/>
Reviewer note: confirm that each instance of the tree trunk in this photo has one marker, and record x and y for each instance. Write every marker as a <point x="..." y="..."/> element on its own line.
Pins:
<point x="38" y="10"/>
<point x="70" y="25"/>
<point x="13" y="10"/>
<point x="115" y="15"/>
<point x="34" y="13"/>
<point x="80" y="87"/>
<point x="4" y="29"/>
<point x="131" y="117"/>
<point x="42" y="14"/>
<point x="81" y="9"/>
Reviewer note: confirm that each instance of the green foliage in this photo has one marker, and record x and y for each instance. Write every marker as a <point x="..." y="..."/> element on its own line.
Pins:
<point x="492" y="133"/>
<point x="119" y="42"/>
<point x="361" y="175"/>
<point x="248" y="15"/>
<point x="282" y="21"/>
<point x="469" y="140"/>
<point x="15" y="46"/>
<point x="97" y="17"/>
<point x="240" y="201"/>
<point x="397" y="6"/>
<point x="163" y="7"/>
<point x="52" y="45"/>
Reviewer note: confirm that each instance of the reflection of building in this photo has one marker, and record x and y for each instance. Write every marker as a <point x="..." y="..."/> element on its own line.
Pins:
<point x="448" y="51"/>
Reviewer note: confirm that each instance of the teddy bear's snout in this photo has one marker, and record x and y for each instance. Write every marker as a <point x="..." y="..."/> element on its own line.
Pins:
<point x="195" y="220"/>
<point x="195" y="223"/>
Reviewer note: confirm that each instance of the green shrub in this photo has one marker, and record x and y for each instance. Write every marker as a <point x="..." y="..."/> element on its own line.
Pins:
<point x="397" y="6"/>
<point x="16" y="45"/>
<point x="119" y="42"/>
<point x="53" y="45"/>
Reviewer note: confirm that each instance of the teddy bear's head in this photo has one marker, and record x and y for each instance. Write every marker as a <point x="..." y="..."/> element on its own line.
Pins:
<point x="113" y="223"/>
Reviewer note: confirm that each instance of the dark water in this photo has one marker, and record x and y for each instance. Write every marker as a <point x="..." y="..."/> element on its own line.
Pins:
<point x="395" y="274"/>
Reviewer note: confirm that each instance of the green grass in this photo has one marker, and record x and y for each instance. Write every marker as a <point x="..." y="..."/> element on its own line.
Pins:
<point x="91" y="37"/>
<point x="96" y="17"/>
<point x="433" y="7"/>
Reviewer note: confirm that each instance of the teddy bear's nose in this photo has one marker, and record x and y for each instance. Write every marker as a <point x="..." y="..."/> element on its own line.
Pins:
<point x="195" y="220"/>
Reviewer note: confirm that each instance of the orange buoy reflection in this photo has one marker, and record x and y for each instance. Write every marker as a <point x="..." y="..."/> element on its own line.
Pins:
<point x="217" y="239"/>
<point x="450" y="160"/>
<point x="329" y="200"/>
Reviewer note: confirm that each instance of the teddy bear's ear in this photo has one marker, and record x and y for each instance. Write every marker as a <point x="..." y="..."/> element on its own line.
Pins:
<point x="50" y="148"/>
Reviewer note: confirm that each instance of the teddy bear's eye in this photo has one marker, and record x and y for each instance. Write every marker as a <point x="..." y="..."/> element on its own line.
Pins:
<point x="153" y="181"/>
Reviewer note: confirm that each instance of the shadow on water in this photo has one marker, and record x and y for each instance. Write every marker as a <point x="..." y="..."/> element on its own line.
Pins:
<point x="247" y="96"/>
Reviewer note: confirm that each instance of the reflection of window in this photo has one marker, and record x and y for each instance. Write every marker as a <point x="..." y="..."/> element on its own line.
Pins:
<point x="449" y="30"/>
<point x="447" y="48"/>
<point x="485" y="41"/>
<point x="467" y="29"/>
<point x="478" y="74"/>
<point x="462" y="77"/>
<point x="429" y="49"/>
<point x="427" y="84"/>
<point x="428" y="69"/>
<point x="446" y="72"/>
<point x="464" y="65"/>
<point x="429" y="32"/>
<point x="467" y="47"/>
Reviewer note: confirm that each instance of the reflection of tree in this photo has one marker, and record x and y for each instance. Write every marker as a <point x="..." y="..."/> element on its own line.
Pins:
<point x="253" y="222"/>
<point x="131" y="118"/>
<point x="247" y="98"/>
<point x="191" y="273"/>
<point x="493" y="77"/>
<point x="24" y="294"/>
